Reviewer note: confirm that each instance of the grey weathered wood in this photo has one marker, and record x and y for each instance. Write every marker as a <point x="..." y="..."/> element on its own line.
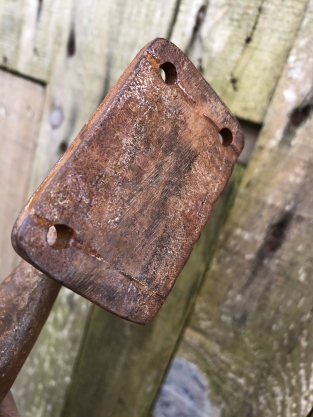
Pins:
<point x="88" y="45"/>
<point x="240" y="46"/>
<point x="250" y="334"/>
<point x="79" y="48"/>
<point x="20" y="117"/>
<point x="32" y="35"/>
<point x="40" y="387"/>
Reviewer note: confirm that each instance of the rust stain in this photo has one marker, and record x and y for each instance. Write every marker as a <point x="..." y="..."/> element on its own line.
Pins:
<point x="135" y="189"/>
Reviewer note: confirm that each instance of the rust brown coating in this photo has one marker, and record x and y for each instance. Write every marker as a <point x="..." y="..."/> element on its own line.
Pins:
<point x="136" y="187"/>
<point x="26" y="298"/>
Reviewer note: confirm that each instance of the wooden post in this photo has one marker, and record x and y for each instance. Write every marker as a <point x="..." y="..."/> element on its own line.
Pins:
<point x="250" y="335"/>
<point x="66" y="50"/>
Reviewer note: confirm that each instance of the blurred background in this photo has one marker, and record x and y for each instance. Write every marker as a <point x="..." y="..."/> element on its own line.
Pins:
<point x="234" y="338"/>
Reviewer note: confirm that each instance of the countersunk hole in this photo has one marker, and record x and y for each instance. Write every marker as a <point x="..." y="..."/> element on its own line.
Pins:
<point x="226" y="137"/>
<point x="168" y="73"/>
<point x="60" y="236"/>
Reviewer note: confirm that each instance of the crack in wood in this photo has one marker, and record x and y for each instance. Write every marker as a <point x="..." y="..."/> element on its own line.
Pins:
<point x="24" y="76"/>
<point x="200" y="17"/>
<point x="173" y="21"/>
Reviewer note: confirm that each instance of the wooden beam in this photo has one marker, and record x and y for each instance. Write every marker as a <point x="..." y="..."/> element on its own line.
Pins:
<point x="241" y="47"/>
<point x="20" y="116"/>
<point x="89" y="44"/>
<point x="250" y="334"/>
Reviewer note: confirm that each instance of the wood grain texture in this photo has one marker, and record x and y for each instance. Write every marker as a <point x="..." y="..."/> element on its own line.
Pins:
<point x="120" y="366"/>
<point x="20" y="116"/>
<point x="32" y="35"/>
<point x="78" y="50"/>
<point x="251" y="331"/>
<point x="92" y="44"/>
<point x="240" y="47"/>
<point x="40" y="387"/>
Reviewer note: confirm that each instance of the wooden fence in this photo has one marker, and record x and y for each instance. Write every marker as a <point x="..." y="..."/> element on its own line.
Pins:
<point x="236" y="333"/>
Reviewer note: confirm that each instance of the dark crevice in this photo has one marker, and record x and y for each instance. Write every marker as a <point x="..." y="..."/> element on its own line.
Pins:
<point x="274" y="239"/>
<point x="106" y="83"/>
<point x="255" y="24"/>
<point x="173" y="21"/>
<point x="25" y="77"/>
<point x="200" y="66"/>
<point x="233" y="81"/>
<point x="197" y="27"/>
<point x="63" y="147"/>
<point x="276" y="234"/>
<point x="297" y="118"/>
<point x="71" y="43"/>
<point x="39" y="8"/>
<point x="233" y="78"/>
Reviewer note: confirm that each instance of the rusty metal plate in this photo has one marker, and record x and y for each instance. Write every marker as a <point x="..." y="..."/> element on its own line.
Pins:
<point x="117" y="218"/>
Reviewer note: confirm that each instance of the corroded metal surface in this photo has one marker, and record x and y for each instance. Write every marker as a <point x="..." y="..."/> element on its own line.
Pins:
<point x="117" y="218"/>
<point x="26" y="298"/>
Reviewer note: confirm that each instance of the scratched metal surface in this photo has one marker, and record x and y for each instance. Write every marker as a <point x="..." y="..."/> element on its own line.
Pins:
<point x="132" y="194"/>
<point x="26" y="298"/>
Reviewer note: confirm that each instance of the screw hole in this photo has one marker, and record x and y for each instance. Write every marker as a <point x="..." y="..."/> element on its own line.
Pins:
<point x="225" y="136"/>
<point x="168" y="73"/>
<point x="60" y="236"/>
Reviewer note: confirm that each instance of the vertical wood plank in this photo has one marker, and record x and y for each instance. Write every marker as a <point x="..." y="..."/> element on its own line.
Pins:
<point x="240" y="47"/>
<point x="92" y="47"/>
<point x="250" y="335"/>
<point x="32" y="35"/>
<point x="20" y="116"/>
<point x="79" y="49"/>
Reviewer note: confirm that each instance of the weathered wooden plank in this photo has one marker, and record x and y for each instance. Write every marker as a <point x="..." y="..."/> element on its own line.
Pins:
<point x="100" y="44"/>
<point x="240" y="46"/>
<point x="40" y="387"/>
<point x="80" y="51"/>
<point x="121" y="364"/>
<point x="32" y="33"/>
<point x="93" y="43"/>
<point x="20" y="116"/>
<point x="250" y="335"/>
